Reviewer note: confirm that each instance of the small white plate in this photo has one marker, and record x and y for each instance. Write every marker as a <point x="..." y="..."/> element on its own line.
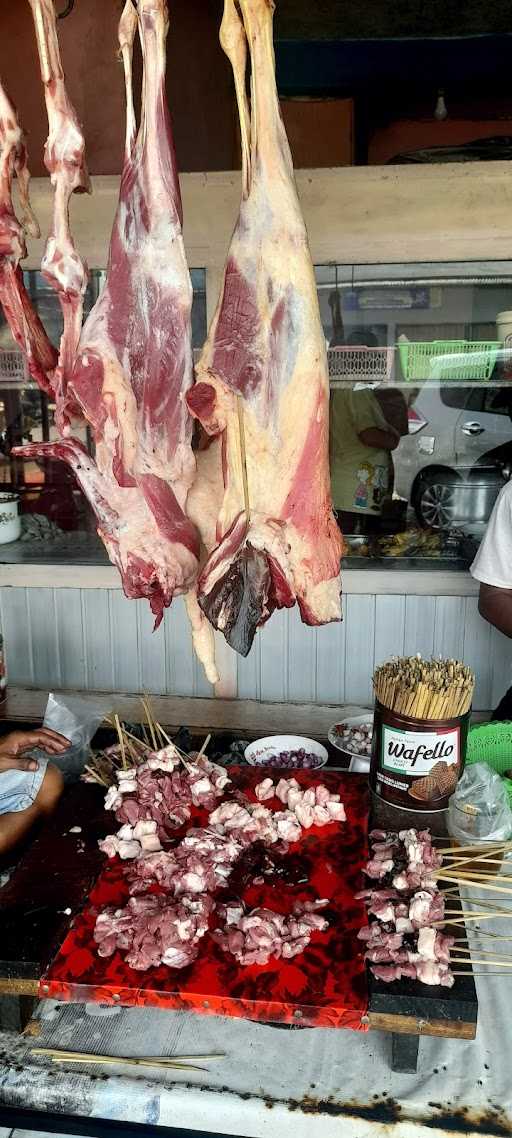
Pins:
<point x="262" y="751"/>
<point x="360" y="763"/>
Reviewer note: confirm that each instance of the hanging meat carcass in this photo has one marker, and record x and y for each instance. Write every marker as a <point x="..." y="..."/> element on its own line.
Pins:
<point x="134" y="360"/>
<point x="22" y="318"/>
<point x="64" y="158"/>
<point x="263" y="375"/>
<point x="134" y="364"/>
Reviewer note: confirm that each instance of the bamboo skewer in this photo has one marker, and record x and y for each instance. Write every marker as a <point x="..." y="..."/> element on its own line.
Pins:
<point x="471" y="972"/>
<point x="478" y="960"/>
<point x="121" y="741"/>
<point x="482" y="883"/>
<point x="484" y="951"/>
<point x="480" y="932"/>
<point x="173" y="1062"/>
<point x="478" y="847"/>
<point x="204" y="746"/>
<point x="149" y="719"/>
<point x="243" y="456"/>
<point x="463" y="920"/>
<point x="483" y="902"/>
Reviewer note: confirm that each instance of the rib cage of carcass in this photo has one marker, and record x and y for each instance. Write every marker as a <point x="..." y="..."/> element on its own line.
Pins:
<point x="129" y="374"/>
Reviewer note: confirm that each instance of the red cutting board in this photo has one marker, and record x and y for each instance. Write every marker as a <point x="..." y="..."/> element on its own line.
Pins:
<point x="323" y="987"/>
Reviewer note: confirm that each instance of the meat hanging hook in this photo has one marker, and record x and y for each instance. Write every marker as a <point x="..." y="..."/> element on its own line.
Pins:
<point x="67" y="10"/>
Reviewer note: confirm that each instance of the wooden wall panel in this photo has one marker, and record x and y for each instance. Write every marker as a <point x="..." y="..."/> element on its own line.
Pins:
<point x="94" y="639"/>
<point x="199" y="82"/>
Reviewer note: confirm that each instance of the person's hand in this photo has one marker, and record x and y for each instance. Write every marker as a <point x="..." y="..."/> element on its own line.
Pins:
<point x="17" y="743"/>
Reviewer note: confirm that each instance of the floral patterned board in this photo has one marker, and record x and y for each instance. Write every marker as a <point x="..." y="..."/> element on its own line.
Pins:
<point x="323" y="987"/>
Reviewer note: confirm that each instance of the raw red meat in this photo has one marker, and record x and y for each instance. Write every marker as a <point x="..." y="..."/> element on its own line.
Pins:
<point x="145" y="560"/>
<point x="427" y="971"/>
<point x="402" y="939"/>
<point x="154" y="930"/>
<point x="201" y="863"/>
<point x="134" y="363"/>
<point x="264" y="367"/>
<point x="161" y="790"/>
<point x="64" y="159"/>
<point x="22" y="318"/>
<point x="256" y="937"/>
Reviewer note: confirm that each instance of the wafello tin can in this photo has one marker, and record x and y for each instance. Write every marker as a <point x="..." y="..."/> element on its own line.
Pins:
<point x="416" y="763"/>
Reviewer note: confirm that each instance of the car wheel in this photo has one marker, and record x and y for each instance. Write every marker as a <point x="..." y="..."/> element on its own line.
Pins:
<point x="434" y="500"/>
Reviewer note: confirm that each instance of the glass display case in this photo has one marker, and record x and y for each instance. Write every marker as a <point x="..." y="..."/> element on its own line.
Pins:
<point x="418" y="353"/>
<point x="422" y="349"/>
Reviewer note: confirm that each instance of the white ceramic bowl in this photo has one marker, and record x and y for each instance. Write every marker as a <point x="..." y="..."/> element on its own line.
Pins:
<point x="358" y="763"/>
<point x="266" y="752"/>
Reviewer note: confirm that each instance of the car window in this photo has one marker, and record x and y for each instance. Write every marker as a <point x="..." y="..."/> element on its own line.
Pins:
<point x="498" y="400"/>
<point x="462" y="398"/>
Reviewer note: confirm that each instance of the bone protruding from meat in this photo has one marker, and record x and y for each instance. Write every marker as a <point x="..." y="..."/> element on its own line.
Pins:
<point x="64" y="157"/>
<point x="126" y="36"/>
<point x="202" y="636"/>
<point x="22" y="318"/>
<point x="234" y="43"/>
<point x="266" y="347"/>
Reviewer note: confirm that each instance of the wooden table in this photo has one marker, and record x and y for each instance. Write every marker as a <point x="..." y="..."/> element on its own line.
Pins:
<point x="55" y="877"/>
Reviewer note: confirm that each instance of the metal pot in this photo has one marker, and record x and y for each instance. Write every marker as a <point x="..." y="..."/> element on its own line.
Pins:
<point x="473" y="501"/>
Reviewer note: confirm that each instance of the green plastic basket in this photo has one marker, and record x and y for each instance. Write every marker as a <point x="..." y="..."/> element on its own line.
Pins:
<point x="491" y="743"/>
<point x="448" y="359"/>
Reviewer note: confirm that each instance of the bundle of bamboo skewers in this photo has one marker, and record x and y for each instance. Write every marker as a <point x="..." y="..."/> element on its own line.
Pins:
<point x="424" y="689"/>
<point x="166" y="1063"/>
<point x="466" y="867"/>
<point x="130" y="750"/>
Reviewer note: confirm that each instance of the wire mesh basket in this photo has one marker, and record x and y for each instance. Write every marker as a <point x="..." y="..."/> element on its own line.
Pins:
<point x="491" y="743"/>
<point x="448" y="359"/>
<point x="360" y="363"/>
<point x="12" y="365"/>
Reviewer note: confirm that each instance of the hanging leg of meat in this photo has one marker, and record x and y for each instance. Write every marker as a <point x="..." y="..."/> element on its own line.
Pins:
<point x="264" y="367"/>
<point x="125" y="525"/>
<point x="140" y="517"/>
<point x="22" y="318"/>
<point x="134" y="363"/>
<point x="64" y="159"/>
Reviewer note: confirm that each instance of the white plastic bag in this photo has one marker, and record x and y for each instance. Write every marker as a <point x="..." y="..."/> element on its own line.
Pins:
<point x="78" y="720"/>
<point x="479" y="810"/>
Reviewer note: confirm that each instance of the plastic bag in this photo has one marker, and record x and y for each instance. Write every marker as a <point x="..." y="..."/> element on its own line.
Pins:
<point x="78" y="720"/>
<point x="479" y="810"/>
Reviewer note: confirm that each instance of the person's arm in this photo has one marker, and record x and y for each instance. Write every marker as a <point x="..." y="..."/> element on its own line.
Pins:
<point x="495" y="605"/>
<point x="492" y="566"/>
<point x="379" y="438"/>
<point x="369" y="423"/>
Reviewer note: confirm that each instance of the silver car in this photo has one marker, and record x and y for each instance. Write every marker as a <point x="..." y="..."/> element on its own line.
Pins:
<point x="457" y="455"/>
